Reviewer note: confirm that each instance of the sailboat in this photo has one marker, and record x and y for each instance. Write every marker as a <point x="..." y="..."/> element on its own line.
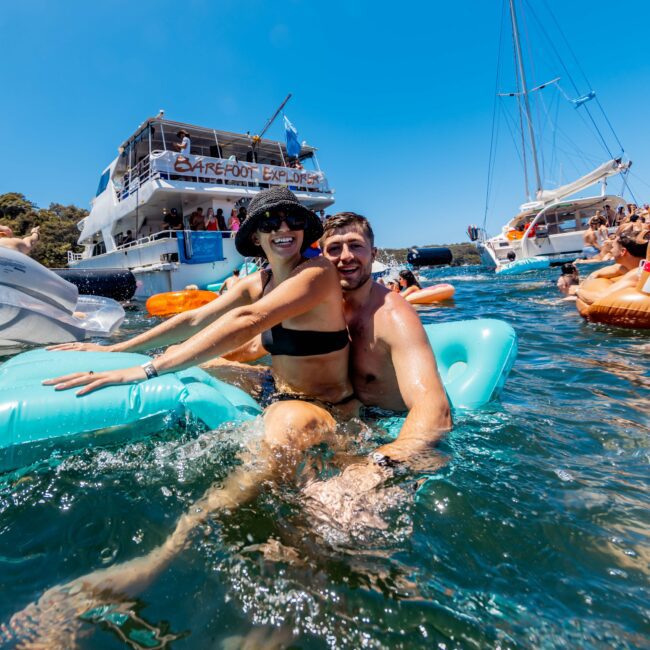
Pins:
<point x="550" y="224"/>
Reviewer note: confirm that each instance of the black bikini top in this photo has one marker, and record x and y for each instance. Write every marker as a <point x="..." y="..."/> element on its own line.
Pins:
<point x="301" y="343"/>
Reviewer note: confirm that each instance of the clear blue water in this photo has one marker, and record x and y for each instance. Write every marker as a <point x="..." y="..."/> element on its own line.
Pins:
<point x="534" y="534"/>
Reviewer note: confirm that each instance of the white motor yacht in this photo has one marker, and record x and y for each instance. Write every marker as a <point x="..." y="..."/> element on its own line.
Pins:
<point x="150" y="177"/>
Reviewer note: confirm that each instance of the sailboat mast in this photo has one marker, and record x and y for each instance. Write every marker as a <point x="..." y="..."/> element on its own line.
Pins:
<point x="524" y="87"/>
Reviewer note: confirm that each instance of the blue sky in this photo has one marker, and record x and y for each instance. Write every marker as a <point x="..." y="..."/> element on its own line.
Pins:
<point x="398" y="97"/>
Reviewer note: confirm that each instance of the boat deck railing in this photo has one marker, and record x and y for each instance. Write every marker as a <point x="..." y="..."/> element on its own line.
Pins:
<point x="147" y="240"/>
<point x="144" y="171"/>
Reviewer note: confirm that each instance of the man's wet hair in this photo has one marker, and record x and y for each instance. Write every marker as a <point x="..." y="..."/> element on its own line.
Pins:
<point x="568" y="269"/>
<point x="632" y="246"/>
<point x="235" y="272"/>
<point x="348" y="220"/>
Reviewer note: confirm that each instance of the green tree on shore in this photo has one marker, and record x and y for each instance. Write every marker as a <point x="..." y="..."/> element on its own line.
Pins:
<point x="58" y="224"/>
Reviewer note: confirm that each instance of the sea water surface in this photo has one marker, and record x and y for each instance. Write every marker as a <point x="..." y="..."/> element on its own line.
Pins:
<point x="534" y="534"/>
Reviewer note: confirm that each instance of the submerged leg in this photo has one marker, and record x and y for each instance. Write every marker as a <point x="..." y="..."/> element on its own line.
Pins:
<point x="290" y="428"/>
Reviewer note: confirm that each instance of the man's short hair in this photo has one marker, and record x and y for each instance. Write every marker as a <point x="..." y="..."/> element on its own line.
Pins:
<point x="343" y="220"/>
<point x="632" y="246"/>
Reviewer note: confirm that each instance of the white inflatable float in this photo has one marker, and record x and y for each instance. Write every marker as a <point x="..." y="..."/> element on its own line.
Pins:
<point x="38" y="307"/>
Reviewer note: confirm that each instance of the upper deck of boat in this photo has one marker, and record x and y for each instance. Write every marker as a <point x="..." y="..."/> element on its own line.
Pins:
<point x="216" y="158"/>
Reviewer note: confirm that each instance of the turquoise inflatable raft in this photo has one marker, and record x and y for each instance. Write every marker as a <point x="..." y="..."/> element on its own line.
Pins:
<point x="474" y="359"/>
<point x="36" y="418"/>
<point x="523" y="266"/>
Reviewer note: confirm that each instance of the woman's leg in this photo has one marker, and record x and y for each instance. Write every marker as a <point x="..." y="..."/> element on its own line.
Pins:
<point x="290" y="428"/>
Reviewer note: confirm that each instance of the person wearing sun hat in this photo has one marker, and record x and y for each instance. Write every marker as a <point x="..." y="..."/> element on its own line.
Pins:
<point x="185" y="143"/>
<point x="296" y="304"/>
<point x="268" y="203"/>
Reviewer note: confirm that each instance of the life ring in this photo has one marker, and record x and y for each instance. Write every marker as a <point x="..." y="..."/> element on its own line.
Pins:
<point x="512" y="235"/>
<point x="626" y="307"/>
<point x="428" y="295"/>
<point x="175" y="302"/>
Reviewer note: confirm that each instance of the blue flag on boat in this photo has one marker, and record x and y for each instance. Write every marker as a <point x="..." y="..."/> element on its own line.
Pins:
<point x="293" y="144"/>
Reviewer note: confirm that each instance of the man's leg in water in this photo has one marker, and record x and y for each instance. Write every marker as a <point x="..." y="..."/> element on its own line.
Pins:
<point x="290" y="429"/>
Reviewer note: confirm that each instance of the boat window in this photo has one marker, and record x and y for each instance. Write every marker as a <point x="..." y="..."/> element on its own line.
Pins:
<point x="103" y="182"/>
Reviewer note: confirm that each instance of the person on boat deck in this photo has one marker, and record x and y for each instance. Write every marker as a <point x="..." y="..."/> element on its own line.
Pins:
<point x="21" y="244"/>
<point x="230" y="282"/>
<point x="197" y="220"/>
<point x="128" y="238"/>
<point x="221" y="221"/>
<point x="568" y="282"/>
<point x="628" y="254"/>
<point x="590" y="239"/>
<point x="211" y="221"/>
<point x="610" y="215"/>
<point x="171" y="219"/>
<point x="185" y="143"/>
<point x="407" y="282"/>
<point x="234" y="223"/>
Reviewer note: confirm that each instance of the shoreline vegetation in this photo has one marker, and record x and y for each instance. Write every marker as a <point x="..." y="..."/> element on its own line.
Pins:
<point x="59" y="233"/>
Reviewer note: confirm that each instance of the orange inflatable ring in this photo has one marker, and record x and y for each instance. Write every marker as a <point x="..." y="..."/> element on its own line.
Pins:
<point x="511" y="235"/>
<point x="627" y="307"/>
<point x="175" y="302"/>
<point x="436" y="293"/>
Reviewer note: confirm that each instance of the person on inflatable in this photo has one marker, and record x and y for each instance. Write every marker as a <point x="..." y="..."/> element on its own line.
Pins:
<point x="408" y="282"/>
<point x="20" y="244"/>
<point x="628" y="253"/>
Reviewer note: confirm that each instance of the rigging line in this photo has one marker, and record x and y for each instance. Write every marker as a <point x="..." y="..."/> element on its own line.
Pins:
<point x="611" y="128"/>
<point x="629" y="189"/>
<point x="521" y="116"/>
<point x="639" y="178"/>
<point x="494" y="117"/>
<point x="533" y="97"/>
<point x="512" y="128"/>
<point x="568" y="44"/>
<point x="575" y="86"/>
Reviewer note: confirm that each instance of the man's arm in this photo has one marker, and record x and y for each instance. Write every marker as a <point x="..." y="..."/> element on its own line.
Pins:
<point x="609" y="272"/>
<point x="429" y="415"/>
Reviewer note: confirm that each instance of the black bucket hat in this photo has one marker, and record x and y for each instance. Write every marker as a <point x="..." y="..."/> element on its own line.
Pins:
<point x="273" y="199"/>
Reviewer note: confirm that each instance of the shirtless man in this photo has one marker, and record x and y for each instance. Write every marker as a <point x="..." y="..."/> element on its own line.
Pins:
<point x="627" y="253"/>
<point x="391" y="362"/>
<point x="590" y="239"/>
<point x="21" y="244"/>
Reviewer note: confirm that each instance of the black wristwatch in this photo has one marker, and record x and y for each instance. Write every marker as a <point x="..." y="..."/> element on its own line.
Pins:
<point x="149" y="369"/>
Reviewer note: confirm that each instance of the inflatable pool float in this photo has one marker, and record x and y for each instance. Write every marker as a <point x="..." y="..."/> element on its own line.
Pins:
<point x="175" y="302"/>
<point x="36" y="418"/>
<point x="474" y="359"/>
<point x="38" y="307"/>
<point x="428" y="295"/>
<point x="522" y="266"/>
<point x="628" y="307"/>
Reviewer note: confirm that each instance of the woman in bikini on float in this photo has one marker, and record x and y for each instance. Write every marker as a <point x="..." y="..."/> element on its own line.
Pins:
<point x="408" y="282"/>
<point x="297" y="307"/>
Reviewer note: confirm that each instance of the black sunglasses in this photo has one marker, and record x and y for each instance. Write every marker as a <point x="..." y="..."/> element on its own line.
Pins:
<point x="273" y="222"/>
